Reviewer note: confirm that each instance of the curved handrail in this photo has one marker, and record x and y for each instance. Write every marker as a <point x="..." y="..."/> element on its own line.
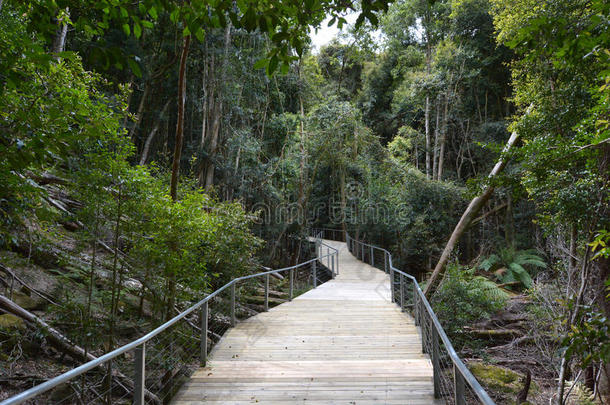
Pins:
<point x="75" y="372"/>
<point x="458" y="364"/>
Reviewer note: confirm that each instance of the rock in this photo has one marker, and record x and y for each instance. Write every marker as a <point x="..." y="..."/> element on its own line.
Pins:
<point x="499" y="379"/>
<point x="27" y="302"/>
<point x="11" y="322"/>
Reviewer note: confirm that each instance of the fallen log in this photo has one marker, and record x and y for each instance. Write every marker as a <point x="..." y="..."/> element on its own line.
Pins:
<point x="494" y="333"/>
<point x="469" y="215"/>
<point x="63" y="344"/>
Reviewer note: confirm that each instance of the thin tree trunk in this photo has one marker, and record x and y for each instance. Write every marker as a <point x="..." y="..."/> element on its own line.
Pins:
<point x="151" y="136"/>
<point x="441" y="153"/>
<point x="509" y="225"/>
<point x="427" y="117"/>
<point x="436" y="135"/>
<point x="180" y="121"/>
<point x="473" y="208"/>
<point x="211" y="166"/>
<point x="140" y="112"/>
<point x="177" y="154"/>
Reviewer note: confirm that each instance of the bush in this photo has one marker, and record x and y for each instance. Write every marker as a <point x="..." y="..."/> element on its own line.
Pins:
<point x="464" y="298"/>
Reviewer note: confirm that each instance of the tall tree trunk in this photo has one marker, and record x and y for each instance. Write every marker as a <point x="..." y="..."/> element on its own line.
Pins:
<point x="186" y="42"/>
<point x="441" y="153"/>
<point x="436" y="135"/>
<point x="473" y="208"/>
<point x="427" y="118"/>
<point x="509" y="225"/>
<point x="218" y="104"/>
<point x="59" y="41"/>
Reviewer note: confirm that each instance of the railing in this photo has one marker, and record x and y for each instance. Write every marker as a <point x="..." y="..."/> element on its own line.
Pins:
<point x="151" y="369"/>
<point x="453" y="382"/>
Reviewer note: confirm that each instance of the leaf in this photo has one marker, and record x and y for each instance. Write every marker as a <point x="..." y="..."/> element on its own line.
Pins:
<point x="135" y="67"/>
<point x="200" y="34"/>
<point x="272" y="66"/>
<point x="278" y="37"/>
<point x="126" y="29"/>
<point x="153" y="12"/>
<point x="261" y="63"/>
<point x="137" y="29"/>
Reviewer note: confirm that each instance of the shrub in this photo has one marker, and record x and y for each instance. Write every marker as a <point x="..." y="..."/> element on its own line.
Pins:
<point x="464" y="298"/>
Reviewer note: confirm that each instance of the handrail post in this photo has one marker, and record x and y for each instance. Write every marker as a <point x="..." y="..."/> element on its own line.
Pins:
<point x="291" y="288"/>
<point x="233" y="320"/>
<point x="415" y="305"/>
<point x="402" y="292"/>
<point x="422" y="323"/>
<point x="436" y="367"/>
<point x="204" y="334"/>
<point x="313" y="273"/>
<point x="392" y="285"/>
<point x="458" y="386"/>
<point x="333" y="265"/>
<point x="372" y="257"/>
<point x="266" y="292"/>
<point x="385" y="262"/>
<point x="140" y="374"/>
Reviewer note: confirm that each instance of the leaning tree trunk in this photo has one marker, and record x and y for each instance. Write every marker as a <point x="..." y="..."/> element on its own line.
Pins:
<point x="473" y="208"/>
<point x="177" y="154"/>
<point x="63" y="344"/>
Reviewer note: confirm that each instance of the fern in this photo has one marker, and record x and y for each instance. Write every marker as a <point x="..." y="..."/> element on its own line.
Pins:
<point x="489" y="288"/>
<point x="514" y="265"/>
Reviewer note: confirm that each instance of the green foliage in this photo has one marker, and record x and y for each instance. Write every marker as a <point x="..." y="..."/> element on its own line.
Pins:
<point x="52" y="112"/>
<point x="589" y="341"/>
<point x="601" y="244"/>
<point x="511" y="265"/>
<point x="404" y="210"/>
<point x="464" y="298"/>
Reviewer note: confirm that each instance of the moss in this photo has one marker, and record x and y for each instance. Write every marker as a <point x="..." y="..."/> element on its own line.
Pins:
<point x="11" y="322"/>
<point x="499" y="379"/>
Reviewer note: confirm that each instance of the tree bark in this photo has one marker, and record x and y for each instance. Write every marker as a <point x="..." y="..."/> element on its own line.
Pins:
<point x="436" y="136"/>
<point x="180" y="121"/>
<point x="473" y="208"/>
<point x="177" y="154"/>
<point x="59" y="42"/>
<point x="140" y="112"/>
<point x="151" y="136"/>
<point x="441" y="152"/>
<point x="214" y="141"/>
<point x="427" y="118"/>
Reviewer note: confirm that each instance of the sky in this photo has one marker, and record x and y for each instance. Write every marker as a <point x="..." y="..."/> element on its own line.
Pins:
<point x="326" y="34"/>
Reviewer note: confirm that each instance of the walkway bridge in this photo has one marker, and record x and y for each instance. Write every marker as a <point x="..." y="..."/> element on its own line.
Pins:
<point x="367" y="336"/>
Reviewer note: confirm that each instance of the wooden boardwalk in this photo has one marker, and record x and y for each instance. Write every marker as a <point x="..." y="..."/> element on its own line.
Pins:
<point x="342" y="343"/>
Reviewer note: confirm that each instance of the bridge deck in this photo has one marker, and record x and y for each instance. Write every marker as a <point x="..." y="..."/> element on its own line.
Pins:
<point x="342" y="343"/>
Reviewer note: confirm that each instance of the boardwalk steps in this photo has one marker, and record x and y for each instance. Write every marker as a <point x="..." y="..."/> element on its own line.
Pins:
<point x="341" y="343"/>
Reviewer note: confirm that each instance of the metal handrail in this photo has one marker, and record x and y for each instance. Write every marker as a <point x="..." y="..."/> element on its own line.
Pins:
<point x="139" y="385"/>
<point x="462" y="374"/>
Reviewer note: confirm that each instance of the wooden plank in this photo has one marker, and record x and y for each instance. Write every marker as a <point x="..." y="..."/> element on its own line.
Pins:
<point x="337" y="344"/>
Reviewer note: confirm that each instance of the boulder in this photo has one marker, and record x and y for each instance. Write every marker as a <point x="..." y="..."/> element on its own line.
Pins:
<point x="498" y="379"/>
<point x="11" y="322"/>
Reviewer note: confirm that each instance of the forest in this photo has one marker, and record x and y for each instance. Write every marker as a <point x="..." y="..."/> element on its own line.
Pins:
<point x="153" y="150"/>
